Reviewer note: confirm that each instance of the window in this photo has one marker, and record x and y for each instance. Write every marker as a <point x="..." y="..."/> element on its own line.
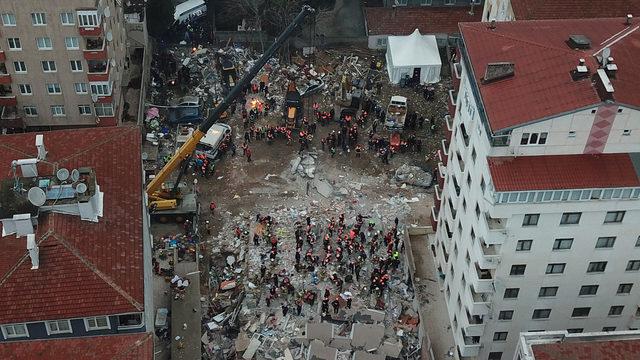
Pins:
<point x="548" y="291"/>
<point x="605" y="242"/>
<point x="626" y="132"/>
<point x="72" y="43"/>
<point x="588" y="290"/>
<point x="533" y="138"/>
<point x="104" y="109"/>
<point x="101" y="89"/>
<point x="88" y="20"/>
<point x="575" y="330"/>
<point x="570" y="218"/>
<point x="96" y="323"/>
<point x="517" y="269"/>
<point x="54" y="89"/>
<point x="49" y="66"/>
<point x="505" y="315"/>
<point x="562" y="244"/>
<point x="76" y="65"/>
<point x="541" y="313"/>
<point x="67" y="18"/>
<point x="500" y="336"/>
<point x="449" y="2"/>
<point x="614" y="217"/>
<point x="624" y="288"/>
<point x="555" y="268"/>
<point x="633" y="265"/>
<point x="80" y="88"/>
<point x="511" y="293"/>
<point x="572" y="134"/>
<point x="382" y="42"/>
<point x="58" y="327"/>
<point x="609" y="328"/>
<point x="596" y="266"/>
<point x="20" y="66"/>
<point x="84" y="109"/>
<point x="495" y="355"/>
<point x="25" y="89"/>
<point x="30" y="111"/>
<point x="8" y="19"/>
<point x="38" y="19"/>
<point x="15" y="331"/>
<point x="473" y="154"/>
<point x="14" y="44"/>
<point x="57" y="110"/>
<point x="530" y="219"/>
<point x="524" y="245"/>
<point x="478" y="212"/>
<point x="130" y="320"/>
<point x="425" y="2"/>
<point x="44" y="43"/>
<point x="580" y="312"/>
<point x="616" y="310"/>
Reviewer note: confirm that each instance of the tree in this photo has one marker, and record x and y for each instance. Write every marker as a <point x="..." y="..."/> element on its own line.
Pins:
<point x="159" y="16"/>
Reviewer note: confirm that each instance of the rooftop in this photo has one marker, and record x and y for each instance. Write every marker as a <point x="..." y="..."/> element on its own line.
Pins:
<point x="572" y="9"/>
<point x="86" y="268"/>
<point x="137" y="346"/>
<point x="560" y="345"/>
<point x="558" y="172"/>
<point x="542" y="85"/>
<point x="429" y="20"/>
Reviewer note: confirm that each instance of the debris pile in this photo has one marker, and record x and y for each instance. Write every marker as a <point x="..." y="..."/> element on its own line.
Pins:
<point x="304" y="165"/>
<point x="413" y="175"/>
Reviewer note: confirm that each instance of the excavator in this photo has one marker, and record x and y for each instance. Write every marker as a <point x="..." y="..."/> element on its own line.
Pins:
<point x="164" y="197"/>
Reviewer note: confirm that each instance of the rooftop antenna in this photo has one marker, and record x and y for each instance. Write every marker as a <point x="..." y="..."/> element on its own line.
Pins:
<point x="629" y="18"/>
<point x="471" y="9"/>
<point x="42" y="152"/>
<point x="606" y="52"/>
<point x="34" y="252"/>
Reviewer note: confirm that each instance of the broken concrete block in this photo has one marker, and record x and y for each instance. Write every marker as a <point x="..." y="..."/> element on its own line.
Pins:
<point x="341" y="343"/>
<point x="287" y="354"/>
<point x="324" y="188"/>
<point x="227" y="285"/>
<point x="367" y="336"/>
<point x="253" y="346"/>
<point x="242" y="342"/>
<point x="294" y="164"/>
<point x="390" y="348"/>
<point x="363" y="355"/>
<point x="317" y="351"/>
<point x="319" y="331"/>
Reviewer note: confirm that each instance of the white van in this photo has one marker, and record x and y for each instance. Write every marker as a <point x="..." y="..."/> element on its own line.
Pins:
<point x="209" y="144"/>
<point x="188" y="8"/>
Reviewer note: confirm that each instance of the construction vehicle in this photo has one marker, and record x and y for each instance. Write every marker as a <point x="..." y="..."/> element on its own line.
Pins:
<point x="292" y="106"/>
<point x="162" y="200"/>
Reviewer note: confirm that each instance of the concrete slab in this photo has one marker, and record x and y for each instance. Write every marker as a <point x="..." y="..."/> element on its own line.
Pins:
<point x="369" y="316"/>
<point x="341" y="343"/>
<point x="324" y="188"/>
<point x="363" y="355"/>
<point x="317" y="351"/>
<point x="254" y="344"/>
<point x="287" y="354"/>
<point x="319" y="331"/>
<point x="367" y="336"/>
<point x="391" y="348"/>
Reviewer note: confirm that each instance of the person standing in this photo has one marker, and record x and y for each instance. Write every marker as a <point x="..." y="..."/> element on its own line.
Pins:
<point x="247" y="153"/>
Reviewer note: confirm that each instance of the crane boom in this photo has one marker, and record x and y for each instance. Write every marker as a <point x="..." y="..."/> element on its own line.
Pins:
<point x="190" y="145"/>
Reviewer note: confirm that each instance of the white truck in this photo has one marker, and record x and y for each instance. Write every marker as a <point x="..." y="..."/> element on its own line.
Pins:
<point x="396" y="113"/>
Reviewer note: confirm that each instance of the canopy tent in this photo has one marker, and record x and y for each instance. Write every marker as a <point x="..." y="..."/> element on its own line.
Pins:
<point x="413" y="55"/>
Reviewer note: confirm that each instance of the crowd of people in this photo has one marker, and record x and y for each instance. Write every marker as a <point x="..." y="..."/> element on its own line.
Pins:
<point x="336" y="256"/>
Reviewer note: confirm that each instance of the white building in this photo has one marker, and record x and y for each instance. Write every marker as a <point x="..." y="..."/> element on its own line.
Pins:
<point x="561" y="345"/>
<point x="538" y="206"/>
<point x="509" y="10"/>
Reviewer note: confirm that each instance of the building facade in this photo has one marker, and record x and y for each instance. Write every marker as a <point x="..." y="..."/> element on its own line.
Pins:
<point x="509" y="10"/>
<point x="61" y="66"/>
<point x="538" y="198"/>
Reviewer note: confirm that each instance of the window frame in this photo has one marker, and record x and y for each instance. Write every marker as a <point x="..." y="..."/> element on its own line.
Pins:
<point x="67" y="13"/>
<point x="44" y="38"/>
<point x="624" y="286"/>
<point x="606" y="240"/>
<point x="82" y="110"/>
<point x="53" y="86"/>
<point x="82" y="86"/>
<point x="632" y="265"/>
<point x="527" y="219"/>
<point x="6" y="334"/>
<point x="49" y="62"/>
<point x="50" y="331"/>
<point x="580" y="309"/>
<point x="551" y="268"/>
<point x="137" y="326"/>
<point x="56" y="114"/>
<point x="499" y="336"/>
<point x="77" y="43"/>
<point x="15" y="41"/>
<point x="102" y="107"/>
<point x="566" y="218"/>
<point x="30" y="113"/>
<point x="517" y="267"/>
<point x="38" y="19"/>
<point x="590" y="287"/>
<point x="8" y="15"/>
<point x="77" y="64"/>
<point x="24" y="66"/>
<point x="613" y="310"/>
<point x="510" y="290"/>
<point x="527" y="247"/>
<point x="541" y="311"/>
<point x="545" y="288"/>
<point x="558" y="244"/>
<point x="616" y="214"/>
<point x="96" y="327"/>
<point x="508" y="315"/>
<point x="25" y="87"/>
<point x="81" y="16"/>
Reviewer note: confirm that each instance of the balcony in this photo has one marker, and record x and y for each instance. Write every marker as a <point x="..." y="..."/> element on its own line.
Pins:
<point x="444" y="157"/>
<point x="473" y="324"/>
<point x="5" y="77"/>
<point x="460" y="162"/>
<point x="471" y="345"/>
<point x="482" y="279"/>
<point x="436" y="197"/>
<point x="3" y="57"/>
<point x="448" y="120"/>
<point x="441" y="173"/>
<point x="98" y="70"/>
<point x="434" y="218"/>
<point x="8" y="100"/>
<point x="9" y="118"/>
<point x="95" y="49"/>
<point x="451" y="105"/>
<point x="497" y="231"/>
<point x="480" y="303"/>
<point x="457" y="75"/>
<point x="489" y="255"/>
<point x="89" y="23"/>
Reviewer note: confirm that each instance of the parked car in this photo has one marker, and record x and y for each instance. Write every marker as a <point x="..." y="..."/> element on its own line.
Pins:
<point x="312" y="87"/>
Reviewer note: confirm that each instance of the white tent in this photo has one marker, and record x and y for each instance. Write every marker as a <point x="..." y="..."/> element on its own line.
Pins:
<point x="408" y="55"/>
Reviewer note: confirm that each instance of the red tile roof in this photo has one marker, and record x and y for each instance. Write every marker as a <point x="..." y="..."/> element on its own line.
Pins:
<point x="601" y="350"/>
<point x="112" y="347"/>
<point x="542" y="85"/>
<point x="429" y="20"/>
<point x="556" y="172"/>
<point x="86" y="268"/>
<point x="573" y="9"/>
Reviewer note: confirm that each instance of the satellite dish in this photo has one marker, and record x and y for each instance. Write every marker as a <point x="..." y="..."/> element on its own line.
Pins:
<point x="145" y="156"/>
<point x="62" y="174"/>
<point x="81" y="188"/>
<point x="75" y="175"/>
<point x="107" y="12"/>
<point x="109" y="36"/>
<point x="36" y="196"/>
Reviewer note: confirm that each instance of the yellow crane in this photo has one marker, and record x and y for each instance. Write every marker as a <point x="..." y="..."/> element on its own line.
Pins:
<point x="167" y="200"/>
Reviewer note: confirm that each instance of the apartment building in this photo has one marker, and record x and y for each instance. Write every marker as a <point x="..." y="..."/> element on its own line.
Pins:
<point x="76" y="260"/>
<point x="509" y="10"/>
<point x="538" y="202"/>
<point x="61" y="63"/>
<point x="562" y="345"/>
